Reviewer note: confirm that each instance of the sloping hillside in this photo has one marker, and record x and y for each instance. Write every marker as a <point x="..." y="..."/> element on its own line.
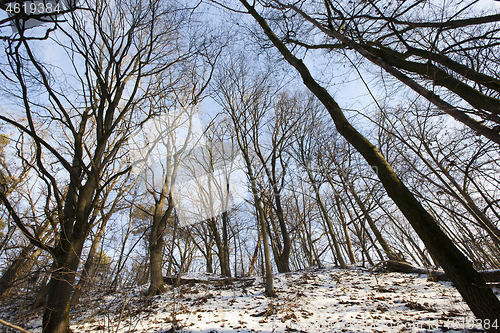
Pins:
<point x="325" y="300"/>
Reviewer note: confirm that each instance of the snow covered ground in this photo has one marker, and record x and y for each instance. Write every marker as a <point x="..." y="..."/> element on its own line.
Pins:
<point x="325" y="300"/>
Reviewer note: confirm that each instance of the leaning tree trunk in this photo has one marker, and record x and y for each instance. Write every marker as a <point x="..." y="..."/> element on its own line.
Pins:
<point x="480" y="298"/>
<point x="20" y="264"/>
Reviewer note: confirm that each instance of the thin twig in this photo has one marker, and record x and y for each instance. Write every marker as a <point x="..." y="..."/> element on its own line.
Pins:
<point x="5" y="323"/>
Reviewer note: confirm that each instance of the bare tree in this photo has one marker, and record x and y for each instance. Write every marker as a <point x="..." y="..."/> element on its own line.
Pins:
<point x="162" y="144"/>
<point x="481" y="299"/>
<point x="427" y="50"/>
<point x="304" y="154"/>
<point x="274" y="162"/>
<point x="118" y="188"/>
<point x="113" y="64"/>
<point x="215" y="169"/>
<point x="245" y="99"/>
<point x="449" y="166"/>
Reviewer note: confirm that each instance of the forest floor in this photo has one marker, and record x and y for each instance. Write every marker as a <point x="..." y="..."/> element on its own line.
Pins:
<point x="321" y="300"/>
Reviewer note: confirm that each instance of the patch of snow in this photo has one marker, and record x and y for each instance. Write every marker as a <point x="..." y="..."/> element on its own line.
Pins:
<point x="328" y="300"/>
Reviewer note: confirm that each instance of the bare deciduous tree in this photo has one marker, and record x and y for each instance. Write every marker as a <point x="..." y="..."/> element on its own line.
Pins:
<point x="115" y="51"/>
<point x="481" y="299"/>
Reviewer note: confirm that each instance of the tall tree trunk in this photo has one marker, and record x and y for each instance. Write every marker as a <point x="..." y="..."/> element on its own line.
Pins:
<point x="156" y="244"/>
<point x="67" y="259"/>
<point x="284" y="256"/>
<point x="262" y="221"/>
<point x="462" y="196"/>
<point x="350" y="250"/>
<point x="225" y="245"/>
<point x="469" y="204"/>
<point x="74" y="231"/>
<point x="220" y="247"/>
<point x="267" y="253"/>
<point x="210" y="266"/>
<point x="255" y="255"/>
<point x="327" y="220"/>
<point x="410" y="239"/>
<point x="480" y="298"/>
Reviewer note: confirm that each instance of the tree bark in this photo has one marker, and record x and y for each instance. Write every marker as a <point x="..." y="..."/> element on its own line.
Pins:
<point x="156" y="244"/>
<point x="21" y="263"/>
<point x="225" y="244"/>
<point x="68" y="252"/>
